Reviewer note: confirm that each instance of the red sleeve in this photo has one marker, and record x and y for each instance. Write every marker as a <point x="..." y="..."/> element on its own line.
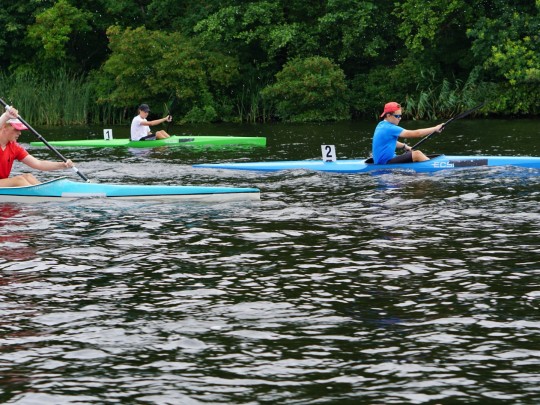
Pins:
<point x="13" y="152"/>
<point x="20" y="152"/>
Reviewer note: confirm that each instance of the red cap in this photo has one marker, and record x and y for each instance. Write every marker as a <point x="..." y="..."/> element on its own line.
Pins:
<point x="390" y="108"/>
<point x="18" y="125"/>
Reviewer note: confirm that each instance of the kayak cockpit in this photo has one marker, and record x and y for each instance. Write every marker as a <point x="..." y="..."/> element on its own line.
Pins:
<point x="370" y="160"/>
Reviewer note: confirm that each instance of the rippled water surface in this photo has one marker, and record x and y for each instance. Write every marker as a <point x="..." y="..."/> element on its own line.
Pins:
<point x="388" y="289"/>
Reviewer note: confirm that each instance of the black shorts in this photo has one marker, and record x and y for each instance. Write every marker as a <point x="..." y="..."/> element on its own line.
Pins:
<point x="403" y="158"/>
<point x="149" y="137"/>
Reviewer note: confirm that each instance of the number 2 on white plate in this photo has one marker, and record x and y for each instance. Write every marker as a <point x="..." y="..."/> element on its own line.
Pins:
<point x="328" y="153"/>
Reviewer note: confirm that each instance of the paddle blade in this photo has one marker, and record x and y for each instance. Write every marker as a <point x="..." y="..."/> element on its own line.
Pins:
<point x="457" y="117"/>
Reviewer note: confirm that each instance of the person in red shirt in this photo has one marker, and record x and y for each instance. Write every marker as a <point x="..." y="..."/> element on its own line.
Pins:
<point x="10" y="150"/>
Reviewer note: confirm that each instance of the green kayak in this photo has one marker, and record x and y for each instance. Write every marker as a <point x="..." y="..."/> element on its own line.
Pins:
<point x="172" y="141"/>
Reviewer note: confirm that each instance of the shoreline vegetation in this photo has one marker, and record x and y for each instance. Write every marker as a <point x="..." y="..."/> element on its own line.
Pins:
<point x="69" y="99"/>
<point x="256" y="62"/>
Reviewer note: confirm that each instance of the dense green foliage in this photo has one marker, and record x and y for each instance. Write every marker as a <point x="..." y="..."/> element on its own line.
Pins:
<point x="310" y="89"/>
<point x="156" y="66"/>
<point x="292" y="60"/>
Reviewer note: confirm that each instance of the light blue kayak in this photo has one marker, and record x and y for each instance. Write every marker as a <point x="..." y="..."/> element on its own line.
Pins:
<point x="436" y="163"/>
<point x="62" y="189"/>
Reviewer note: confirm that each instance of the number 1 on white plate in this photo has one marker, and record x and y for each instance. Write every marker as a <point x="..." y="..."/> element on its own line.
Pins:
<point x="107" y="134"/>
<point x="328" y="153"/>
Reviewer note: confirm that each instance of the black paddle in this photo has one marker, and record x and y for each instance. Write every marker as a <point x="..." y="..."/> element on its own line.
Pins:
<point x="170" y="111"/>
<point x="457" y="117"/>
<point x="82" y="176"/>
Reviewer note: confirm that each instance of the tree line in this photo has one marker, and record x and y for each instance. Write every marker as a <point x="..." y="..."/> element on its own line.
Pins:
<point x="257" y="61"/>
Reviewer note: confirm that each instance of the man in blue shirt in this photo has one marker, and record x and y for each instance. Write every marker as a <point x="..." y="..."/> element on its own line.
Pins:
<point x="385" y="138"/>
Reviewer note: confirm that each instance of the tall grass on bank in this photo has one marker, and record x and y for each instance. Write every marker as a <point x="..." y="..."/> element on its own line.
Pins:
<point x="251" y="106"/>
<point x="446" y="99"/>
<point x="62" y="99"/>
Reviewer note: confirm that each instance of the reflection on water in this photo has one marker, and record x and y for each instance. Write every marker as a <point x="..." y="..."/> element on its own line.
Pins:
<point x="389" y="289"/>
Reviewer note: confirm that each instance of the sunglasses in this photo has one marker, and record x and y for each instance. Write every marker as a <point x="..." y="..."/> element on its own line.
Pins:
<point x="397" y="115"/>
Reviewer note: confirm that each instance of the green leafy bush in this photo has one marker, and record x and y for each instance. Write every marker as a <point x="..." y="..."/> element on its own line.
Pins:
<point x="310" y="89"/>
<point x="166" y="65"/>
<point x="200" y="115"/>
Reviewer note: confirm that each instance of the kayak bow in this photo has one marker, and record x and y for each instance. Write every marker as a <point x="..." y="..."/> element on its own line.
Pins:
<point x="62" y="189"/>
<point x="172" y="141"/>
<point x="436" y="163"/>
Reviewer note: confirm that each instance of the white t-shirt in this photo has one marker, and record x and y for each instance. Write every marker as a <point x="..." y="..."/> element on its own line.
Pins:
<point x="138" y="131"/>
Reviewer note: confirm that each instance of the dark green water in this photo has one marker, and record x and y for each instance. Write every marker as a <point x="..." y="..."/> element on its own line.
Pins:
<point x="388" y="289"/>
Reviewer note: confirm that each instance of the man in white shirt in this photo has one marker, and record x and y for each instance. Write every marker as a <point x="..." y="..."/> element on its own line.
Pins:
<point x="140" y="127"/>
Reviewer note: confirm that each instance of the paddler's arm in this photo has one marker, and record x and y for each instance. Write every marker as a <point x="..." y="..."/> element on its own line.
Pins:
<point x="3" y="119"/>
<point x="418" y="133"/>
<point x="168" y="118"/>
<point x="401" y="145"/>
<point x="8" y="114"/>
<point x="46" y="165"/>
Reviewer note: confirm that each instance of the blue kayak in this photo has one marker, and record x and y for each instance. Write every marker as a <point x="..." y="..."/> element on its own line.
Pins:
<point x="436" y="163"/>
<point x="62" y="189"/>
